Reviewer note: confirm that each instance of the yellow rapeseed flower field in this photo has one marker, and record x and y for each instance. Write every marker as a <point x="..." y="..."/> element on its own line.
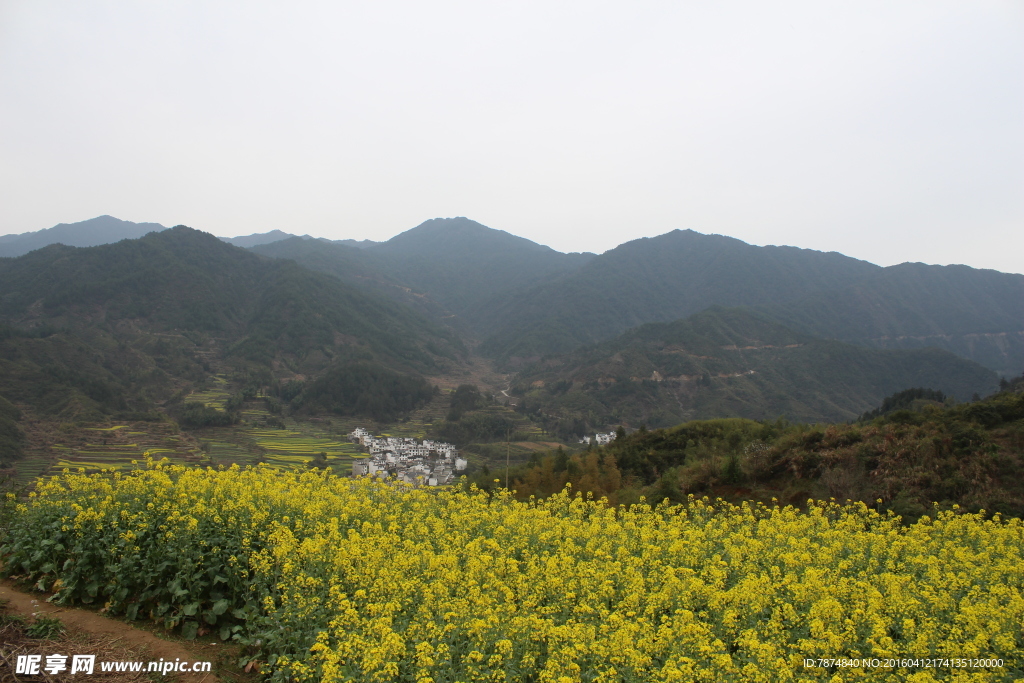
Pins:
<point x="334" y="579"/>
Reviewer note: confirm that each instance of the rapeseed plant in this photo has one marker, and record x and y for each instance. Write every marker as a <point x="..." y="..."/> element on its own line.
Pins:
<point x="335" y="579"/>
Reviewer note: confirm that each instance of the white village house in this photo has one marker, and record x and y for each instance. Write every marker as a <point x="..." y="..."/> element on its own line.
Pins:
<point x="601" y="439"/>
<point x="431" y="463"/>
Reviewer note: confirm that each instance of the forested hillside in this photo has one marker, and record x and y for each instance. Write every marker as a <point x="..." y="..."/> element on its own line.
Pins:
<point x="362" y="268"/>
<point x="976" y="314"/>
<point x="11" y="436"/>
<point x="656" y="279"/>
<point x="730" y="363"/>
<point x="122" y="327"/>
<point x="968" y="454"/>
<point x="525" y="301"/>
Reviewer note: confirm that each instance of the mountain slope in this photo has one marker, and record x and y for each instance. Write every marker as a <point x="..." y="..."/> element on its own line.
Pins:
<point x="976" y="314"/>
<point x="654" y="280"/>
<point x="359" y="267"/>
<point x="732" y="363"/>
<point x="124" y="325"/>
<point x="966" y="454"/>
<point x="100" y="230"/>
<point x="461" y="264"/>
<point x="255" y="239"/>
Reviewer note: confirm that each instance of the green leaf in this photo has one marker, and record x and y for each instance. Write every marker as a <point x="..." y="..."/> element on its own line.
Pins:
<point x="225" y="632"/>
<point x="189" y="629"/>
<point x="220" y="607"/>
<point x="190" y="609"/>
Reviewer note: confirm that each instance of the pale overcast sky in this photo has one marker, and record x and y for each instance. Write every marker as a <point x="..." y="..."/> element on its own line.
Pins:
<point x="890" y="131"/>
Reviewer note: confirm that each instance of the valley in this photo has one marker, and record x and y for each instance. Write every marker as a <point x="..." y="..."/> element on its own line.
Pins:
<point x="616" y="444"/>
<point x="184" y="346"/>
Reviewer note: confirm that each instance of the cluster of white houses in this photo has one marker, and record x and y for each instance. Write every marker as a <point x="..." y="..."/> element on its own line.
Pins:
<point x="599" y="438"/>
<point x="433" y="463"/>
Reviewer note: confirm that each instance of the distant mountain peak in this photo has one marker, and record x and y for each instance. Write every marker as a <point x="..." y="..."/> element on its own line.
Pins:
<point x="256" y="239"/>
<point x="103" y="229"/>
<point x="461" y="231"/>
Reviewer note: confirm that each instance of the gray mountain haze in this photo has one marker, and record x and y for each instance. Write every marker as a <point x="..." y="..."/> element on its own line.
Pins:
<point x="107" y="229"/>
<point x="90" y="233"/>
<point x="256" y="239"/>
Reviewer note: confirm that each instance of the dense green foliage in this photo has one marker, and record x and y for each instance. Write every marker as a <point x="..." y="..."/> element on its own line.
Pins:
<point x="194" y="414"/>
<point x="969" y="454"/>
<point x="479" y="426"/>
<point x="82" y="376"/>
<point x="466" y="397"/>
<point x="363" y="388"/>
<point x="12" y="438"/>
<point x="905" y="400"/>
<point x="730" y="363"/>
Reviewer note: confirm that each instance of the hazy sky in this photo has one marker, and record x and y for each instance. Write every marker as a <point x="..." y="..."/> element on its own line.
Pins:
<point x="890" y="131"/>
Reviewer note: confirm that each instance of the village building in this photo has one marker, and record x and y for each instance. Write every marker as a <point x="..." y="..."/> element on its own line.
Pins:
<point x="429" y="462"/>
<point x="599" y="438"/>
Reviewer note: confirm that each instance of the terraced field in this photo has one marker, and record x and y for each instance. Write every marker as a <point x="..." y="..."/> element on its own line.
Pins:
<point x="105" y="446"/>
<point x="215" y="395"/>
<point x="261" y="437"/>
<point x="286" y="447"/>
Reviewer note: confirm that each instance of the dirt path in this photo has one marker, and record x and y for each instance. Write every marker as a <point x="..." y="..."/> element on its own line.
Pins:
<point x="136" y="639"/>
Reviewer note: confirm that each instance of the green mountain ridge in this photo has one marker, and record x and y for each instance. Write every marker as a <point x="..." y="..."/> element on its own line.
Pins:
<point x="976" y="314"/>
<point x="124" y="326"/>
<point x="449" y="269"/>
<point x="359" y="267"/>
<point x="731" y="363"/>
<point x="655" y="279"/>
<point x="462" y="264"/>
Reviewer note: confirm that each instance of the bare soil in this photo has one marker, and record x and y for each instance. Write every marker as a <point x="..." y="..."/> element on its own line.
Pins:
<point x="110" y="639"/>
